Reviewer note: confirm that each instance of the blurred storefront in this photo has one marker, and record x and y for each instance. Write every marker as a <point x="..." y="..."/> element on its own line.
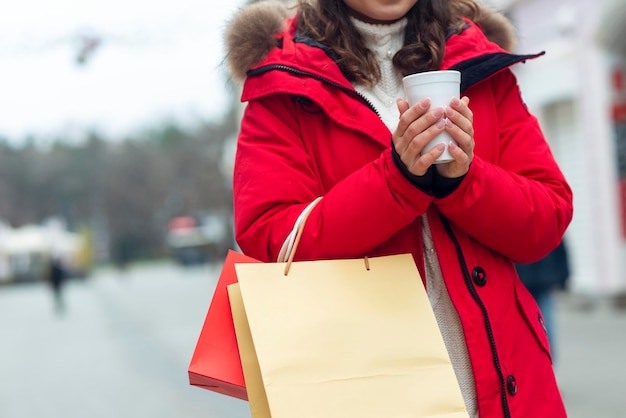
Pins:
<point x="26" y="252"/>
<point x="578" y="92"/>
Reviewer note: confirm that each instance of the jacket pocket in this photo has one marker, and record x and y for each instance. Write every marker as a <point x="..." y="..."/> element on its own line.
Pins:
<point x="532" y="316"/>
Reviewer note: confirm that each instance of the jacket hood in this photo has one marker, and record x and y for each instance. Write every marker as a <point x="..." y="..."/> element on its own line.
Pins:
<point x="253" y="32"/>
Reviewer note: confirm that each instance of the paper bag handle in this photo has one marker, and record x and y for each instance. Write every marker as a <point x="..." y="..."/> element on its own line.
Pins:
<point x="288" y="250"/>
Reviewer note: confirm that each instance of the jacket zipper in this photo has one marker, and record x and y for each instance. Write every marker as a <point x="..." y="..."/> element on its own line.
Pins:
<point x="295" y="71"/>
<point x="483" y="308"/>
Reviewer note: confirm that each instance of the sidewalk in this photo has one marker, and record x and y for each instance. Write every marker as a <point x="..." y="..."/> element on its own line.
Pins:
<point x="590" y="349"/>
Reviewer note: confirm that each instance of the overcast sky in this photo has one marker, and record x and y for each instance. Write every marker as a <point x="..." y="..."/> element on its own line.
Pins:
<point x="157" y="60"/>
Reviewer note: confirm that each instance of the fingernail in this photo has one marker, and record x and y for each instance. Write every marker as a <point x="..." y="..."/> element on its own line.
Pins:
<point x="455" y="101"/>
<point x="452" y="145"/>
<point x="425" y="103"/>
<point x="440" y="123"/>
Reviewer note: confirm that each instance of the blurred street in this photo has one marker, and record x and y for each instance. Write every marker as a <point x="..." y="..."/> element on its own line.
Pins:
<point x="122" y="347"/>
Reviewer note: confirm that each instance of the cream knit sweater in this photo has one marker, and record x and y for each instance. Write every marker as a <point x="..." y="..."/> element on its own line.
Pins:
<point x="385" y="41"/>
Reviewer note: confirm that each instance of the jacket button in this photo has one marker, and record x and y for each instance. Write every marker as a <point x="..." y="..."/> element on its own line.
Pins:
<point x="511" y="385"/>
<point x="479" y="276"/>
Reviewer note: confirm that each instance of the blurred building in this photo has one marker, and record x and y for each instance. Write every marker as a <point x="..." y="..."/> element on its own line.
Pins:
<point x="26" y="252"/>
<point x="578" y="92"/>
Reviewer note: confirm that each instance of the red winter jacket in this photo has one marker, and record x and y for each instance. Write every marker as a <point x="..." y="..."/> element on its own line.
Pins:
<point x="307" y="133"/>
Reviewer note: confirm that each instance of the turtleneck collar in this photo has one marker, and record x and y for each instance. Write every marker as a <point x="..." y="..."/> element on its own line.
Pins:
<point x="382" y="36"/>
<point x="384" y="41"/>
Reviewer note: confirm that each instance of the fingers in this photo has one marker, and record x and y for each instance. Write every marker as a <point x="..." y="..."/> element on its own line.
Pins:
<point x="419" y="124"/>
<point x="417" y="127"/>
<point x="460" y="127"/>
<point x="414" y="142"/>
<point x="460" y="114"/>
<point x="460" y="123"/>
<point x="403" y="105"/>
<point x="420" y="165"/>
<point x="459" y="155"/>
<point x="408" y="114"/>
<point x="459" y="166"/>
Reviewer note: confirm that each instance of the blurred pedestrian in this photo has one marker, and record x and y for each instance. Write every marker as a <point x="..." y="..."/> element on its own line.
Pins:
<point x="542" y="279"/>
<point x="57" y="276"/>
<point x="327" y="117"/>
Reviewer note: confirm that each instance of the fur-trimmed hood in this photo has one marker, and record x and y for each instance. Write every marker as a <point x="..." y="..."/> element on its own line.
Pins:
<point x="251" y="33"/>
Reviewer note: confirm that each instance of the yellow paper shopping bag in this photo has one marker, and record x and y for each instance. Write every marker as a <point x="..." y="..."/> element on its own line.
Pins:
<point x="249" y="361"/>
<point x="341" y="339"/>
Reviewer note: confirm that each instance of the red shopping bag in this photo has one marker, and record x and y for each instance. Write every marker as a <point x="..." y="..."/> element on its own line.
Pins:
<point x="215" y="364"/>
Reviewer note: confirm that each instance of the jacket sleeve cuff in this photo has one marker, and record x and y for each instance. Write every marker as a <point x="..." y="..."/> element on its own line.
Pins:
<point x="424" y="183"/>
<point x="444" y="186"/>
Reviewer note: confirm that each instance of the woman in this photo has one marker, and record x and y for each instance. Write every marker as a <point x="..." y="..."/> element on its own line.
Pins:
<point x="323" y="119"/>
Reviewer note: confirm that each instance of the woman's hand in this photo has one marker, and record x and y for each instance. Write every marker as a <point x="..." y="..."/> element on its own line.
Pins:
<point x="418" y="125"/>
<point x="459" y="125"/>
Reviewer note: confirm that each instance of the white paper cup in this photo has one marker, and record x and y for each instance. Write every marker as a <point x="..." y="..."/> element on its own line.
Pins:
<point x="440" y="87"/>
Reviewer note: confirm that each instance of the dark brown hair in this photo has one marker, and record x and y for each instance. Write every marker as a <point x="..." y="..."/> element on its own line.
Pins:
<point x="328" y="22"/>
